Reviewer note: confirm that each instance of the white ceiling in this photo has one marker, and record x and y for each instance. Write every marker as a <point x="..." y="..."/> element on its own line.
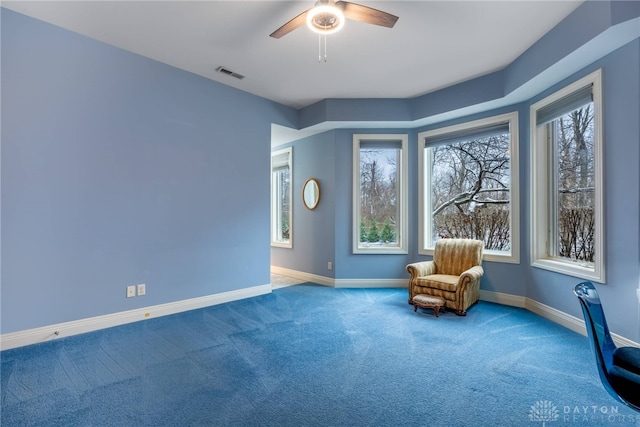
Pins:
<point x="433" y="45"/>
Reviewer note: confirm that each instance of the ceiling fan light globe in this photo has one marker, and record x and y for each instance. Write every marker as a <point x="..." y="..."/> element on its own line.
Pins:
<point x="325" y="19"/>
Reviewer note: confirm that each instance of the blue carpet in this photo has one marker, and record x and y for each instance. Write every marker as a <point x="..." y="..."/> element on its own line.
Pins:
<point x="309" y="355"/>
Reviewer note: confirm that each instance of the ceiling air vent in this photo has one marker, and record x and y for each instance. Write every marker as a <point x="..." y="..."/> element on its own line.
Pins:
<point x="228" y="72"/>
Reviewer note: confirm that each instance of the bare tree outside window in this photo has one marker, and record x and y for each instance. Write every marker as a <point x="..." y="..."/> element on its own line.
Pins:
<point x="469" y="185"/>
<point x="574" y="184"/>
<point x="567" y="180"/>
<point x="379" y="196"/>
<point x="471" y="190"/>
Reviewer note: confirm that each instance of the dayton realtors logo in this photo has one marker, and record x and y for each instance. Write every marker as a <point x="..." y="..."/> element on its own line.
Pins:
<point x="544" y="410"/>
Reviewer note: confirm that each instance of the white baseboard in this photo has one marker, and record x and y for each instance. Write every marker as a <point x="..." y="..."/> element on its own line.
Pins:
<point x="51" y="332"/>
<point x="502" y="298"/>
<point x="555" y="315"/>
<point x="305" y="277"/>
<point x="571" y="322"/>
<point x="622" y="341"/>
<point x="340" y="283"/>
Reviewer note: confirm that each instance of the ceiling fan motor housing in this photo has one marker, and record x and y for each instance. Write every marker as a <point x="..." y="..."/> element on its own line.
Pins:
<point x="328" y="16"/>
<point x="325" y="17"/>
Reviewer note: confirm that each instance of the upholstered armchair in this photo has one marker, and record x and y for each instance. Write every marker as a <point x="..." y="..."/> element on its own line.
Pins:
<point x="454" y="274"/>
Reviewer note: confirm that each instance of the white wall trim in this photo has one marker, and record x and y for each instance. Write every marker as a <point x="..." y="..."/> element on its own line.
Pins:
<point x="571" y="322"/>
<point x="557" y="316"/>
<point x="622" y="341"/>
<point x="66" y="329"/>
<point x="306" y="277"/>
<point x="553" y="314"/>
<point x="341" y="283"/>
<point x="502" y="298"/>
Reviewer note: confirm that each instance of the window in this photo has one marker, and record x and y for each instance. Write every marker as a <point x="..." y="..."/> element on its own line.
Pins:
<point x="469" y="185"/>
<point x="380" y="194"/>
<point x="281" y="198"/>
<point x="566" y="178"/>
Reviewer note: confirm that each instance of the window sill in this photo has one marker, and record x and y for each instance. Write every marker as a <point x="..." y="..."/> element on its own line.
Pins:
<point x="570" y="269"/>
<point x="380" y="251"/>
<point x="281" y="245"/>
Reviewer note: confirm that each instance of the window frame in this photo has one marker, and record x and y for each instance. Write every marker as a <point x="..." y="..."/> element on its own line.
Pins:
<point x="541" y="194"/>
<point x="275" y="223"/>
<point x="403" y="194"/>
<point x="426" y="243"/>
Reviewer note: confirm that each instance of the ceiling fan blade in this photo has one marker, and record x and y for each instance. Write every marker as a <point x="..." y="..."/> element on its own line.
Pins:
<point x="366" y="14"/>
<point x="296" y="22"/>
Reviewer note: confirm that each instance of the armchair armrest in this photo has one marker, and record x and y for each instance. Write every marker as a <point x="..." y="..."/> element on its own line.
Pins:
<point x="470" y="279"/>
<point x="473" y="274"/>
<point x="419" y="269"/>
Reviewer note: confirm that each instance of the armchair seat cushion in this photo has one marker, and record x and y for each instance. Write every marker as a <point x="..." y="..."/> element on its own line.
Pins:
<point x="443" y="282"/>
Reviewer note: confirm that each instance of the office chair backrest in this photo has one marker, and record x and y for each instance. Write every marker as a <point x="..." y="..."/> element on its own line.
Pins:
<point x="596" y="323"/>
<point x="603" y="347"/>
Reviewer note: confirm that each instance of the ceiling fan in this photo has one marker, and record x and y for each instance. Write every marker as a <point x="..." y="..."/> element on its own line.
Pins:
<point x="327" y="16"/>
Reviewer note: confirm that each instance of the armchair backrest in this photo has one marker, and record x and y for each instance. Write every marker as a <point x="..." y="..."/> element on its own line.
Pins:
<point x="455" y="256"/>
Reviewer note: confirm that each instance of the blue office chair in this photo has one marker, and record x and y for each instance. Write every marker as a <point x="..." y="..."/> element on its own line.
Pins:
<point x="619" y="367"/>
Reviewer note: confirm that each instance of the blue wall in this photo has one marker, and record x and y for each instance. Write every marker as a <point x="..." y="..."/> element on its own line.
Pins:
<point x="597" y="35"/>
<point x="119" y="170"/>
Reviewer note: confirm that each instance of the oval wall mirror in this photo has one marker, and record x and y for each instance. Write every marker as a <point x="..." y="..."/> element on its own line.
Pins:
<point x="311" y="193"/>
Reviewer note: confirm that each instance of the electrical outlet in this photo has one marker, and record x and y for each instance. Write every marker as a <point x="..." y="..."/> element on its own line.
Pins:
<point x="131" y="291"/>
<point x="638" y="294"/>
<point x="142" y="289"/>
<point x="329" y="265"/>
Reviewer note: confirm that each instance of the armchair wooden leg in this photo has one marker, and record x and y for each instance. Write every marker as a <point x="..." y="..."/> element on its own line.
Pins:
<point x="461" y="312"/>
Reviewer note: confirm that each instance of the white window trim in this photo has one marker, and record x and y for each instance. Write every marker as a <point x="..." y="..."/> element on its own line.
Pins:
<point x="403" y="194"/>
<point x="426" y="244"/>
<point x="276" y="243"/>
<point x="540" y="184"/>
